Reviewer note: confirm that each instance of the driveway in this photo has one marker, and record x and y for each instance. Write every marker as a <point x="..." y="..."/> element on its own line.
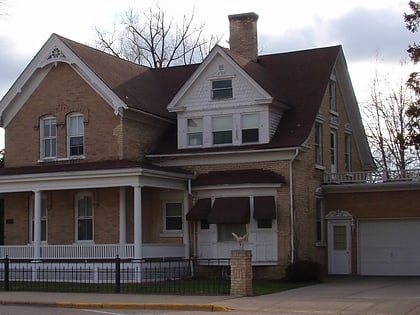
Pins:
<point x="341" y="295"/>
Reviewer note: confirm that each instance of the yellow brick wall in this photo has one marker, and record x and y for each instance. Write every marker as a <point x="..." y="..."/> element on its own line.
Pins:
<point x="16" y="216"/>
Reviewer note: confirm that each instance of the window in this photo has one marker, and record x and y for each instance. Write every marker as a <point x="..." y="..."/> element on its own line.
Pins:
<point x="221" y="89"/>
<point x="48" y="136"/>
<point x="318" y="144"/>
<point x="195" y="131"/>
<point x="43" y="219"/>
<point x="173" y="216"/>
<point x="332" y="97"/>
<point x="347" y="152"/>
<point x="264" y="224"/>
<point x="84" y="211"/>
<point x="250" y="128"/>
<point x="319" y="220"/>
<point x="75" y="131"/>
<point x="224" y="231"/>
<point x="333" y="151"/>
<point x="222" y="129"/>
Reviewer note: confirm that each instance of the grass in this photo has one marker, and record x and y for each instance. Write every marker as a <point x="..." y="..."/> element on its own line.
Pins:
<point x="187" y="287"/>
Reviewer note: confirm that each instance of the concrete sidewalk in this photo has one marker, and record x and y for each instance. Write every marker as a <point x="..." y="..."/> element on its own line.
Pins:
<point x="345" y="295"/>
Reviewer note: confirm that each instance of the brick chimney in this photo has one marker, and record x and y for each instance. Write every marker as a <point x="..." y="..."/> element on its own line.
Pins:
<point x="243" y="34"/>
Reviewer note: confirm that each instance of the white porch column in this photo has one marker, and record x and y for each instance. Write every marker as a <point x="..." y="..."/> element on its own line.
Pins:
<point x="123" y="222"/>
<point x="37" y="225"/>
<point x="185" y="225"/>
<point x="137" y="224"/>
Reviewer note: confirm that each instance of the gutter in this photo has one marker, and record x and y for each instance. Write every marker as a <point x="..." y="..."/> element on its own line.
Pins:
<point x="292" y="208"/>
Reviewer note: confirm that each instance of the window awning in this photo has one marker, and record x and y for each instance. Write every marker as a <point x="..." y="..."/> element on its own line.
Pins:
<point x="264" y="208"/>
<point x="200" y="210"/>
<point x="229" y="210"/>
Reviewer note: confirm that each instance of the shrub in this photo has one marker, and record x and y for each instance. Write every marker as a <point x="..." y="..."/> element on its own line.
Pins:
<point x="304" y="271"/>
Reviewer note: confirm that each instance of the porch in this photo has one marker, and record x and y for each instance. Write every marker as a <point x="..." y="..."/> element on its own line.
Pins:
<point x="92" y="251"/>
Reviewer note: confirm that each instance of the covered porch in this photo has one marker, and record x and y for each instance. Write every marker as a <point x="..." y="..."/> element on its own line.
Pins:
<point x="119" y="187"/>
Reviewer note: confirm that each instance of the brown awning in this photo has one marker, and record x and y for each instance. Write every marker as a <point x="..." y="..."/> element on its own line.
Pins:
<point x="229" y="210"/>
<point x="264" y="208"/>
<point x="200" y="210"/>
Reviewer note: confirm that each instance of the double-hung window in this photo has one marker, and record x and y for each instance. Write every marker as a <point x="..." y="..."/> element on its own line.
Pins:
<point x="250" y="127"/>
<point x="173" y="216"/>
<point x="84" y="211"/>
<point x="332" y="96"/>
<point x="347" y="152"/>
<point x="195" y="131"/>
<point x="221" y="89"/>
<point x="75" y="133"/>
<point x="222" y="129"/>
<point x="318" y="144"/>
<point x="48" y="137"/>
<point x="333" y="151"/>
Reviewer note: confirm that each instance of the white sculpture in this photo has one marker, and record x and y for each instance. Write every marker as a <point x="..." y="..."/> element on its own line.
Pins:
<point x="240" y="239"/>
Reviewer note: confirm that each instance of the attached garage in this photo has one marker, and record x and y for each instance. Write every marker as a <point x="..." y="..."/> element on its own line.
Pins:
<point x="389" y="247"/>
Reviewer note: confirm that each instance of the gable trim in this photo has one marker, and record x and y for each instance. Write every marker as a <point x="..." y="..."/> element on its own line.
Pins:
<point x="52" y="52"/>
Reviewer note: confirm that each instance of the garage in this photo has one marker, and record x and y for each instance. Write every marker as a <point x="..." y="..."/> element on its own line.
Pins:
<point x="389" y="247"/>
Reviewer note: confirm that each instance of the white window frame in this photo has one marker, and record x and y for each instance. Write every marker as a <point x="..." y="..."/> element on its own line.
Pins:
<point x="44" y="218"/>
<point x="79" y="196"/>
<point x="171" y="232"/>
<point x="244" y="126"/>
<point x="71" y="133"/>
<point x="332" y="96"/>
<point x="227" y="88"/>
<point x="195" y="133"/>
<point x="48" y="138"/>
<point x="319" y="160"/>
<point x="333" y="151"/>
<point x="214" y="130"/>
<point x="347" y="152"/>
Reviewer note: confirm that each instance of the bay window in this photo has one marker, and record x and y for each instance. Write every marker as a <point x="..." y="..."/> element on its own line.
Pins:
<point x="222" y="129"/>
<point x="250" y="127"/>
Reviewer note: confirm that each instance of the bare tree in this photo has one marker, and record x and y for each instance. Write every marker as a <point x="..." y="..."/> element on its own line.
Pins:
<point x="153" y="39"/>
<point x="387" y="124"/>
<point x="412" y="21"/>
<point x="3" y="10"/>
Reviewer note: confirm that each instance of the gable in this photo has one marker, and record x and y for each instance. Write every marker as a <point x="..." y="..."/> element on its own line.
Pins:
<point x="54" y="51"/>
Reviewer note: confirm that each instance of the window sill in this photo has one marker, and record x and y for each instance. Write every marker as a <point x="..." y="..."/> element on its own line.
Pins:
<point x="171" y="234"/>
<point x="321" y="244"/>
<point x="52" y="160"/>
<point x="320" y="167"/>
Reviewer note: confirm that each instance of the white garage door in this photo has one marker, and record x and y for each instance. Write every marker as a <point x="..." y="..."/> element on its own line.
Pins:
<point x="389" y="247"/>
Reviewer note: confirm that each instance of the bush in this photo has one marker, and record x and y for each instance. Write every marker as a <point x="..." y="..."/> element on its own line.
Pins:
<point x="304" y="271"/>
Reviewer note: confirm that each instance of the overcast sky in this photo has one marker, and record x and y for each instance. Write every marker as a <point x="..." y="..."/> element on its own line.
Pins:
<point x="367" y="29"/>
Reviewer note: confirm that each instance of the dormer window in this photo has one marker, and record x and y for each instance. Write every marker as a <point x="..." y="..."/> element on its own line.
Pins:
<point x="221" y="89"/>
<point x="222" y="129"/>
<point x="250" y="127"/>
<point x="195" y="131"/>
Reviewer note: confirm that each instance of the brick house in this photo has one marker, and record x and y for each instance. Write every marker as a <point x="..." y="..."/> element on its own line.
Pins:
<point x="107" y="157"/>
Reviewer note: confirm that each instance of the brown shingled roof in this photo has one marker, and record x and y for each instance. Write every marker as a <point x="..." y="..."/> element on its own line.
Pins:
<point x="140" y="87"/>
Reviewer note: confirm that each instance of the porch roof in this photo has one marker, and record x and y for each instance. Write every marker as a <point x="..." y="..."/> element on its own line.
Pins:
<point x="75" y="175"/>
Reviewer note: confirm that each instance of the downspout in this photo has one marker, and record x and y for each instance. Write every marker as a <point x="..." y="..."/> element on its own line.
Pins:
<point x="292" y="209"/>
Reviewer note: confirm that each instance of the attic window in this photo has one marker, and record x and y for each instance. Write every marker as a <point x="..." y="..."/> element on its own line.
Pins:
<point x="221" y="89"/>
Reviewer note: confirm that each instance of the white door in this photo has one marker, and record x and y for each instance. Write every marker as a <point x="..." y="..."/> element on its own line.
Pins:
<point x="389" y="247"/>
<point x="339" y="247"/>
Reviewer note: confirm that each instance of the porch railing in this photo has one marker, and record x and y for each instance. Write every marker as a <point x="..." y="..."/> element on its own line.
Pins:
<point x="372" y="177"/>
<point x="92" y="251"/>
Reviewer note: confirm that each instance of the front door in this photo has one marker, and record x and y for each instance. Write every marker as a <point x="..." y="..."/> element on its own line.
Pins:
<point x="339" y="247"/>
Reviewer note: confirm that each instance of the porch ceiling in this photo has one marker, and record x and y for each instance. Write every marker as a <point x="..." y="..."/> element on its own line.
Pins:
<point x="91" y="175"/>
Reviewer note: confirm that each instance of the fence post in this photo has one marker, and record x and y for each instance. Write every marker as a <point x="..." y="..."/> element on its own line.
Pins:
<point x="6" y="273"/>
<point x="117" y="275"/>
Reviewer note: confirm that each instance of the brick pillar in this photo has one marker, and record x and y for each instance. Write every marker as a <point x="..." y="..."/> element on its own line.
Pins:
<point x="240" y="273"/>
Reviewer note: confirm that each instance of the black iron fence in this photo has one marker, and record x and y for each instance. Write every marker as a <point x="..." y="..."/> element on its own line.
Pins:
<point x="174" y="276"/>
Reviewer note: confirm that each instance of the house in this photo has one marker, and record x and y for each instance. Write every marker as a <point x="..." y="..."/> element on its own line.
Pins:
<point x="107" y="157"/>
